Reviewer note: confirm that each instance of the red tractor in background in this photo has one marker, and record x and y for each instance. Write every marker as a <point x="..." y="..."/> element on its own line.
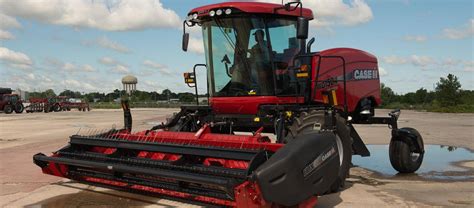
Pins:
<point x="10" y="102"/>
<point x="262" y="77"/>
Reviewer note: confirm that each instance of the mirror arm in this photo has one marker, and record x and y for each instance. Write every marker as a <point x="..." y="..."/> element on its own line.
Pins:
<point x="310" y="43"/>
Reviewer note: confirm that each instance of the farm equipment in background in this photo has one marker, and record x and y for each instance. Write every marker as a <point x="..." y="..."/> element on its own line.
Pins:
<point x="43" y="105"/>
<point x="9" y="102"/>
<point x="262" y="78"/>
<point x="56" y="104"/>
<point x="79" y="104"/>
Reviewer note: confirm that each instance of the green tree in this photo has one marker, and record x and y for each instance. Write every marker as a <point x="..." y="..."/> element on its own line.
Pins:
<point x="387" y="94"/>
<point x="71" y="94"/>
<point x="186" y="97"/>
<point x="49" y="93"/>
<point x="448" y="91"/>
<point x="421" y="96"/>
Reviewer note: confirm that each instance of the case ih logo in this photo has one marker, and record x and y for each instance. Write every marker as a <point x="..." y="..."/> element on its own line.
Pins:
<point x="364" y="74"/>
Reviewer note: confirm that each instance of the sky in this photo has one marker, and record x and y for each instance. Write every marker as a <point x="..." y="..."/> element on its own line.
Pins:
<point x="89" y="45"/>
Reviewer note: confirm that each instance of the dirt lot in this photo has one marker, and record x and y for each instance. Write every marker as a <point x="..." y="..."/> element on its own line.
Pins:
<point x="22" y="184"/>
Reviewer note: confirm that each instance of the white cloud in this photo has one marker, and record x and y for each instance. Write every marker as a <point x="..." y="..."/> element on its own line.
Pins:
<point x="69" y="67"/>
<point x="8" y="22"/>
<point x="395" y="60"/>
<point x="118" y="67"/>
<point x="104" y="42"/>
<point x="196" y="45"/>
<point x="31" y="76"/>
<point x="427" y="62"/>
<point x="465" y="31"/>
<point x="333" y="12"/>
<point x="421" y="60"/>
<point x="336" y="12"/>
<point x="74" y="84"/>
<point x="416" y="38"/>
<point x="15" y="59"/>
<point x="415" y="60"/>
<point x="163" y="69"/>
<point x="110" y="15"/>
<point x="5" y="35"/>
<point x="108" y="61"/>
<point x="121" y="69"/>
<point x="152" y="86"/>
<point x="88" y="68"/>
<point x="382" y="72"/>
<point x="450" y="62"/>
<point x="152" y="64"/>
<point x="468" y="66"/>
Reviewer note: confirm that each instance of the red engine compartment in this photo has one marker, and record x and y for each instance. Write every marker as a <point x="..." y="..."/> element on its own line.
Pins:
<point x="361" y="73"/>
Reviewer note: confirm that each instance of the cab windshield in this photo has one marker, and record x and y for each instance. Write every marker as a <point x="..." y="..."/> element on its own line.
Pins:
<point x="250" y="56"/>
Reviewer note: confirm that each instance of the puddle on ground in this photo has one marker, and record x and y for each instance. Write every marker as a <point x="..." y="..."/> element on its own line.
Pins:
<point x="90" y="199"/>
<point x="439" y="163"/>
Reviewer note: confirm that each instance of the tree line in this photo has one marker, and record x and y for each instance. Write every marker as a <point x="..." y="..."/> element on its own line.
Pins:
<point x="137" y="96"/>
<point x="448" y="96"/>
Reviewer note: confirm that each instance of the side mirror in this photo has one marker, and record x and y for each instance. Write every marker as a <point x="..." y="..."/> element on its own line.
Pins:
<point x="302" y="25"/>
<point x="185" y="41"/>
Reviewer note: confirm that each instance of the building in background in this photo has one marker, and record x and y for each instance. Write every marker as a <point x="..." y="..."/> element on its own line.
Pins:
<point x="129" y="84"/>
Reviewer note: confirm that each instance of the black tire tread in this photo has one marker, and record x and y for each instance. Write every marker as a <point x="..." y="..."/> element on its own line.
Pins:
<point x="305" y="121"/>
<point x="399" y="153"/>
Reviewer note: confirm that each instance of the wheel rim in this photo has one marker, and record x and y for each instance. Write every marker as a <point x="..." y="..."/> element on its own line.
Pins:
<point x="414" y="156"/>
<point x="340" y="149"/>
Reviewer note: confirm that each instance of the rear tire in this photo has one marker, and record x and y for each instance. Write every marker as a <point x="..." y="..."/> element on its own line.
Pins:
<point x="401" y="157"/>
<point x="56" y="108"/>
<point x="8" y="109"/>
<point x="19" y="108"/>
<point x="313" y="121"/>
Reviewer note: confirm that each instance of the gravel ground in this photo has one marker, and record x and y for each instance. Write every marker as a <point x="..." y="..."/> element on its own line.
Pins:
<point x="23" y="184"/>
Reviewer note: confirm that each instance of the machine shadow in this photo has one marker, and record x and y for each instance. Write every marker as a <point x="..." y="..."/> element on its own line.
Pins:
<point x="332" y="200"/>
<point x="88" y="197"/>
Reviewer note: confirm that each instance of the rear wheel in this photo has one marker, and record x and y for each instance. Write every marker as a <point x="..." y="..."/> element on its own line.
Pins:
<point x="402" y="158"/>
<point x="56" y="108"/>
<point x="19" y="108"/>
<point x="313" y="121"/>
<point x="8" y="109"/>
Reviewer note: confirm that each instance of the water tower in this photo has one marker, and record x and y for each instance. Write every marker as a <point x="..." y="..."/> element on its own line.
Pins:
<point x="129" y="84"/>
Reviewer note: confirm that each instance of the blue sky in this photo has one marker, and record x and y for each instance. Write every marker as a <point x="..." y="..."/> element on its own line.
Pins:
<point x="89" y="45"/>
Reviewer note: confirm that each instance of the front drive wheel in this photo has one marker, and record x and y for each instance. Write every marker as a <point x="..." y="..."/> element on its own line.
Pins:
<point x="313" y="121"/>
<point x="401" y="157"/>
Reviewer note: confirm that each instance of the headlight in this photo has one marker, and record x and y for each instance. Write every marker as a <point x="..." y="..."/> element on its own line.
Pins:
<point x="189" y="17"/>
<point x="219" y="12"/>
<point x="195" y="16"/>
<point x="228" y="11"/>
<point x="212" y="13"/>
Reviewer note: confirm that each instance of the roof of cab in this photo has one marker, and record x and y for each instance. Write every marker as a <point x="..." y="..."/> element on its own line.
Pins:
<point x="254" y="7"/>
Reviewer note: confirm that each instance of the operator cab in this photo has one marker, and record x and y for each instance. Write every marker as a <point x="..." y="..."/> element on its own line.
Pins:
<point x="250" y="47"/>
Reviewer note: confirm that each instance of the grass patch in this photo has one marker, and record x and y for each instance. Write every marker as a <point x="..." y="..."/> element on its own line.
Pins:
<point x="114" y="105"/>
<point x="462" y="108"/>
